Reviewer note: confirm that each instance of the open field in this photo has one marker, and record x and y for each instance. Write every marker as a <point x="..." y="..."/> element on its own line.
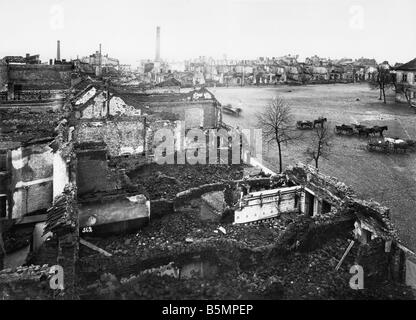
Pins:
<point x="387" y="178"/>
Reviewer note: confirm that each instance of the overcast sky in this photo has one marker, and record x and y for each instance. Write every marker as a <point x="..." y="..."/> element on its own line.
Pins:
<point x="381" y="29"/>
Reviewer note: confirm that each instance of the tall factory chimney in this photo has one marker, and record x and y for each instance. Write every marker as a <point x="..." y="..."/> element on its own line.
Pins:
<point x="101" y="59"/>
<point x="157" y="44"/>
<point x="58" y="50"/>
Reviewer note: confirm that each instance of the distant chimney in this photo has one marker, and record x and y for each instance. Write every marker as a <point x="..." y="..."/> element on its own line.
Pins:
<point x="101" y="57"/>
<point x="157" y="59"/>
<point x="58" y="50"/>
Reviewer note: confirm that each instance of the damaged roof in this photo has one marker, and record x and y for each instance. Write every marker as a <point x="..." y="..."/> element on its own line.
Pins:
<point x="409" y="66"/>
<point x="62" y="215"/>
<point x="22" y="128"/>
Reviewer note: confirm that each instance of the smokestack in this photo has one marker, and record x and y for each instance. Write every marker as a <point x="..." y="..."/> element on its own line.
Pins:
<point x="58" y="50"/>
<point x="157" y="44"/>
<point x="101" y="59"/>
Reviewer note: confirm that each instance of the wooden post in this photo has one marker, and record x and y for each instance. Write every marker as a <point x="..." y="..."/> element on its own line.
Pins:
<point x="345" y="254"/>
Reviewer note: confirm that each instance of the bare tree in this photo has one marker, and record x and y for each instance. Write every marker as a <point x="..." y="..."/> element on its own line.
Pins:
<point x="406" y="90"/>
<point x="383" y="80"/>
<point x="320" y="146"/>
<point x="276" y="123"/>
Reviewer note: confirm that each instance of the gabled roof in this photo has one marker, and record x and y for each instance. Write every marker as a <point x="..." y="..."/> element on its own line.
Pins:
<point x="410" y="66"/>
<point x="171" y="82"/>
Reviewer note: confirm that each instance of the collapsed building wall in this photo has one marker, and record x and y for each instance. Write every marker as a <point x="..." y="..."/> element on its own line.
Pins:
<point x="96" y="103"/>
<point x="30" y="184"/>
<point x="122" y="136"/>
<point x="198" y="108"/>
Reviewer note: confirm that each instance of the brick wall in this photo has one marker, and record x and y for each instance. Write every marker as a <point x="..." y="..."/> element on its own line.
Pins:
<point x="120" y="136"/>
<point x="93" y="172"/>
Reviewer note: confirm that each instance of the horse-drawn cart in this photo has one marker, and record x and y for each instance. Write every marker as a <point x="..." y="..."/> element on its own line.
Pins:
<point x="378" y="144"/>
<point x="387" y="145"/>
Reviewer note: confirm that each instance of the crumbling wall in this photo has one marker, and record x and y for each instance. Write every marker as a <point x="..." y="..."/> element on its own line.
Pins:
<point x="23" y="283"/>
<point x="31" y="179"/>
<point x="93" y="174"/>
<point x="60" y="173"/>
<point x="122" y="136"/>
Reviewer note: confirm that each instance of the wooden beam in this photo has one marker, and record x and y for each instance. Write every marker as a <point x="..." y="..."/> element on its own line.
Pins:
<point x="345" y="254"/>
<point x="32" y="219"/>
<point x="94" y="247"/>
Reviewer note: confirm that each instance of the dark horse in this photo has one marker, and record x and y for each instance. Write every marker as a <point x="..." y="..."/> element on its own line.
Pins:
<point x="380" y="129"/>
<point x="319" y="121"/>
<point x="345" y="129"/>
<point x="365" y="131"/>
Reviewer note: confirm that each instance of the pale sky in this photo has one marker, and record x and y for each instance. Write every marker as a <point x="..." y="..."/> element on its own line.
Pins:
<point x="381" y="29"/>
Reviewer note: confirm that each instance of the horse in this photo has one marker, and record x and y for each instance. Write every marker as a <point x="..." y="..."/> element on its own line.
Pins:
<point x="344" y="129"/>
<point x="363" y="130"/>
<point x="380" y="129"/>
<point x="319" y="121"/>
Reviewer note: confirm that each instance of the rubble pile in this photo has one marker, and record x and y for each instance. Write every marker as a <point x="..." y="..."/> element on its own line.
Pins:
<point x="293" y="258"/>
<point x="29" y="282"/>
<point x="298" y="275"/>
<point x="165" y="181"/>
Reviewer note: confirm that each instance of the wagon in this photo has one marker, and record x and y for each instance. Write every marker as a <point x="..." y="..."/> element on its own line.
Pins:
<point x="229" y="109"/>
<point x="378" y="144"/>
<point x="387" y="145"/>
<point x="304" y="125"/>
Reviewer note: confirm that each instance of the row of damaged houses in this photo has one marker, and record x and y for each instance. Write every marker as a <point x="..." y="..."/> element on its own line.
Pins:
<point x="266" y="71"/>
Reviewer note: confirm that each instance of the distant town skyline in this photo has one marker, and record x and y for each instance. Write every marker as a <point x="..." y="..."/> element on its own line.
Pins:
<point x="239" y="29"/>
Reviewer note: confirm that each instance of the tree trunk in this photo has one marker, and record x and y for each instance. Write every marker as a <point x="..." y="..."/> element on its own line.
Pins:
<point x="384" y="94"/>
<point x="316" y="163"/>
<point x="280" y="158"/>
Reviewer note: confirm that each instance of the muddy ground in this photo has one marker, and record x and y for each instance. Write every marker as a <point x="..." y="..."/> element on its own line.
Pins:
<point x="386" y="178"/>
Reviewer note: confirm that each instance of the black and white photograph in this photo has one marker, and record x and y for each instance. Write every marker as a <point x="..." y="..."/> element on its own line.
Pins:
<point x="208" y="154"/>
